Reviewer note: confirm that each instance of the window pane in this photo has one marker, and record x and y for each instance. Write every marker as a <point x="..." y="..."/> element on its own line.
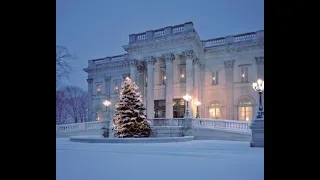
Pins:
<point x="248" y="113"/>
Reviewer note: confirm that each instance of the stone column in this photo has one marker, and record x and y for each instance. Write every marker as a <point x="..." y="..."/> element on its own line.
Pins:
<point x="107" y="87"/>
<point x="260" y="67"/>
<point x="150" y="88"/>
<point x="196" y="91"/>
<point x="133" y="70"/>
<point x="229" y="89"/>
<point x="189" y="77"/>
<point x="90" y="105"/>
<point x="140" y="78"/>
<point x="201" y="84"/>
<point x="169" y="84"/>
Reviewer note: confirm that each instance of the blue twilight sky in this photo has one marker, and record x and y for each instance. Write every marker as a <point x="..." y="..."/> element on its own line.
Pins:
<point x="98" y="28"/>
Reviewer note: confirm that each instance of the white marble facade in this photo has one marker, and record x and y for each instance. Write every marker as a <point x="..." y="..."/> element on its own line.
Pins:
<point x="217" y="72"/>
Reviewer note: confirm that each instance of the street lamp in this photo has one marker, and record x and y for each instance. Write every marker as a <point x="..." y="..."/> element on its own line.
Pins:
<point x="187" y="97"/>
<point x="197" y="104"/>
<point x="107" y="104"/>
<point x="259" y="87"/>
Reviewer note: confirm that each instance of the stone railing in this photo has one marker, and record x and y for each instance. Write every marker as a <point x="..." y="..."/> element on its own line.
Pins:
<point x="107" y="59"/>
<point x="167" y="121"/>
<point x="170" y="30"/>
<point x="232" y="39"/>
<point x="222" y="124"/>
<point x="81" y="126"/>
<point x="232" y="125"/>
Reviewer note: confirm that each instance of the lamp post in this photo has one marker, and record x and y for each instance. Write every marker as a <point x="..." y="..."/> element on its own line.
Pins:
<point x="257" y="126"/>
<point x="187" y="97"/>
<point x="259" y="87"/>
<point x="107" y="104"/>
<point x="197" y="104"/>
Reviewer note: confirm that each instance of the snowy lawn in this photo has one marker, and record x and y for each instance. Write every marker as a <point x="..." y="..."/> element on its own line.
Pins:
<point x="194" y="160"/>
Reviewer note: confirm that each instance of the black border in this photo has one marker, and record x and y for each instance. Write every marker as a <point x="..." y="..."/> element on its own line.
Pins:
<point x="28" y="87"/>
<point x="290" y="72"/>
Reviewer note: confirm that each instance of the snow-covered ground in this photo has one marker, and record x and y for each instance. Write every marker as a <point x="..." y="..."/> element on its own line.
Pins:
<point x="194" y="160"/>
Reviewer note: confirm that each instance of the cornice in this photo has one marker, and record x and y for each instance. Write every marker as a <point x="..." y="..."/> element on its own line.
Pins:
<point x="156" y="43"/>
<point x="109" y="65"/>
<point x="234" y="48"/>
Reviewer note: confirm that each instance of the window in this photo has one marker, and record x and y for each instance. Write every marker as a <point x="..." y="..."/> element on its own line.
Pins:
<point x="178" y="108"/>
<point x="98" y="89"/>
<point x="214" y="110"/>
<point x="244" y="74"/>
<point x="116" y="85"/>
<point x="159" y="109"/>
<point x="163" y="76"/>
<point x="182" y="73"/>
<point x="245" y="110"/>
<point x="215" y="77"/>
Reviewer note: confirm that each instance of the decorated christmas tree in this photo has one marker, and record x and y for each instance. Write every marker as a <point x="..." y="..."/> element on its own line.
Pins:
<point x="129" y="119"/>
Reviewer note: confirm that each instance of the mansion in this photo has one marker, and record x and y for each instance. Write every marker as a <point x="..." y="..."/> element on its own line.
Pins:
<point x="173" y="61"/>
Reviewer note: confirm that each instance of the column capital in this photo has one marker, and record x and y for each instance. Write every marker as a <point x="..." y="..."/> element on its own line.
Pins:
<point x="141" y="66"/>
<point x="196" y="62"/>
<point x="89" y="80"/>
<point x="169" y="57"/>
<point x="189" y="54"/>
<point x="259" y="60"/>
<point x="150" y="60"/>
<point x="107" y="78"/>
<point x="133" y="63"/>
<point x="229" y="64"/>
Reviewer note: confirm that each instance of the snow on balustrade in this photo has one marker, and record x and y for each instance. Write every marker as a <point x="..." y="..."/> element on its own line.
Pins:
<point x="158" y="33"/>
<point x="167" y="121"/>
<point x="214" y="42"/>
<point x="117" y="58"/>
<point x="223" y="124"/>
<point x="81" y="126"/>
<point x="68" y="127"/>
<point x="100" y="61"/>
<point x="244" y="37"/>
<point x="177" y="29"/>
<point x="95" y="124"/>
<point x="142" y="36"/>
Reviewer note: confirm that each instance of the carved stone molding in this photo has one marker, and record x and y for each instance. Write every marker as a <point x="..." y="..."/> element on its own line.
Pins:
<point x="196" y="62"/>
<point x="259" y="60"/>
<point x="169" y="57"/>
<point x="109" y="65"/>
<point x="234" y="48"/>
<point x="107" y="79"/>
<point x="133" y="62"/>
<point x="141" y="66"/>
<point x="150" y="60"/>
<point x="229" y="64"/>
<point x="165" y="41"/>
<point x="189" y="54"/>
<point x="90" y="80"/>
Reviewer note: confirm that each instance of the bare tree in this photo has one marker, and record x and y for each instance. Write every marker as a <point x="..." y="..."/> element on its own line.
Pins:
<point x="76" y="103"/>
<point x="63" y="67"/>
<point x="61" y="114"/>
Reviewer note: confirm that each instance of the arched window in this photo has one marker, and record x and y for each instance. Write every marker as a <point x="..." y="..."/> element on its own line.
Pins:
<point x="215" y="110"/>
<point x="245" y="110"/>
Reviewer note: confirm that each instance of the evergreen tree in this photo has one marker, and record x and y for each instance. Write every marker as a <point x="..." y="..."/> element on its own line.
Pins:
<point x="129" y="119"/>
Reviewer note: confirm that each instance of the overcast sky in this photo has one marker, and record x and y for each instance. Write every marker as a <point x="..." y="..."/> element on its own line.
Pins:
<point x="98" y="28"/>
